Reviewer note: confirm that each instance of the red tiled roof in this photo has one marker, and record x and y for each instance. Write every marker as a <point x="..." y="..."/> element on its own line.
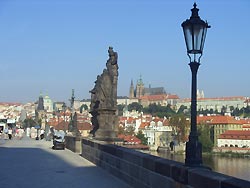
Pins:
<point x="84" y="126"/>
<point x="172" y="97"/>
<point x="203" y="119"/>
<point x="130" y="120"/>
<point x="144" y="124"/>
<point x="64" y="125"/>
<point x="130" y="139"/>
<point x="10" y="103"/>
<point x="157" y="119"/>
<point x="247" y="101"/>
<point x="122" y="118"/>
<point x="154" y="97"/>
<point x="235" y="134"/>
<point x="246" y="126"/>
<point x="245" y="121"/>
<point x="59" y="126"/>
<point x="212" y="120"/>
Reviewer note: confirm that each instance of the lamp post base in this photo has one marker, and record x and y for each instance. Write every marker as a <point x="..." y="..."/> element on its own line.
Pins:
<point x="193" y="154"/>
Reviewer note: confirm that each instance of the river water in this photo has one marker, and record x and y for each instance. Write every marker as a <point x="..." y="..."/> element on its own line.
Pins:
<point x="237" y="167"/>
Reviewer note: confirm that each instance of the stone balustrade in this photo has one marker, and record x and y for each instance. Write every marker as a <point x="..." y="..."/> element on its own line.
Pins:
<point x="73" y="143"/>
<point x="142" y="170"/>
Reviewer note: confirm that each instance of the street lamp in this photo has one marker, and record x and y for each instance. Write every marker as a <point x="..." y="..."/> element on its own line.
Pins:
<point x="64" y="109"/>
<point x="194" y="30"/>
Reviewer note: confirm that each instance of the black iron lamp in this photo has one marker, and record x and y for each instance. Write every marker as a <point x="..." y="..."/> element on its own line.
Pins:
<point x="195" y="31"/>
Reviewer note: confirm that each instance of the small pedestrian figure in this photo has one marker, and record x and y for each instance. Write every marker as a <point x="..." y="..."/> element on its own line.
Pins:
<point x="5" y="133"/>
<point x="42" y="134"/>
<point x="171" y="145"/>
<point x="10" y="133"/>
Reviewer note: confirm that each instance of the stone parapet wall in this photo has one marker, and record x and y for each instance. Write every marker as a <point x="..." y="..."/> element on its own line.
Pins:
<point x="73" y="143"/>
<point x="142" y="170"/>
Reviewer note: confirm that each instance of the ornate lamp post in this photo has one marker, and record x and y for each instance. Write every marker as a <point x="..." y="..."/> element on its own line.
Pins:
<point x="195" y="31"/>
<point x="64" y="110"/>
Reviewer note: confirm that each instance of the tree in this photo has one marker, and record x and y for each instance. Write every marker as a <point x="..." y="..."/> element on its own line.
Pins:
<point x="204" y="138"/>
<point x="135" y="106"/>
<point x="152" y="109"/>
<point x="211" y="111"/>
<point x="236" y="112"/>
<point x="179" y="123"/>
<point x="181" y="109"/>
<point x="129" y="130"/>
<point x="120" y="108"/>
<point x="141" y="136"/>
<point x="29" y="122"/>
<point x="160" y="111"/>
<point x="231" y="108"/>
<point x="84" y="106"/>
<point x="246" y="111"/>
<point x="223" y="110"/>
<point x="169" y="111"/>
<point x="121" y="130"/>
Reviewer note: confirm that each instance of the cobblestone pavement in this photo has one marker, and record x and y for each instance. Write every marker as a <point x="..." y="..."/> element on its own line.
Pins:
<point x="29" y="163"/>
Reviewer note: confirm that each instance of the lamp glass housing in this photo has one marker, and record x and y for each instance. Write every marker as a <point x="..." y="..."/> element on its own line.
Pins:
<point x="195" y="31"/>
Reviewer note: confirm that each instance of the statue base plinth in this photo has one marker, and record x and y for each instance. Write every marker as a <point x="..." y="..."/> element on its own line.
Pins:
<point x="108" y="122"/>
<point x="107" y="136"/>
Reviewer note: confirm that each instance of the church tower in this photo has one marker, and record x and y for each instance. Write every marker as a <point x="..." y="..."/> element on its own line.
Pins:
<point x="139" y="88"/>
<point x="40" y="105"/>
<point x="40" y="112"/>
<point x="131" y="90"/>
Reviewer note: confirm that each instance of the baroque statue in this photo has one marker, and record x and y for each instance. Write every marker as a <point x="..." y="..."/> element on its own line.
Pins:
<point x="104" y="96"/>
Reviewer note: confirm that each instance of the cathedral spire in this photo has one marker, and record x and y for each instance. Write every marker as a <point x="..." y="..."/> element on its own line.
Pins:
<point x="139" y="88"/>
<point x="131" y="90"/>
<point x="140" y="82"/>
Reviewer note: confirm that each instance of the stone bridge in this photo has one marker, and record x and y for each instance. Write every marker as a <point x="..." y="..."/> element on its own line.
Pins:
<point x="142" y="170"/>
<point x="30" y="163"/>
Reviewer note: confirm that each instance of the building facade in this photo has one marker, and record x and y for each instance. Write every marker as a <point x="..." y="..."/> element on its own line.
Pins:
<point x="48" y="104"/>
<point x="140" y="90"/>
<point x="234" y="138"/>
<point x="219" y="125"/>
<point x="216" y="104"/>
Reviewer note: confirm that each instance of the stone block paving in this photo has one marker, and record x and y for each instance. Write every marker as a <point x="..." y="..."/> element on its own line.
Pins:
<point x="29" y="163"/>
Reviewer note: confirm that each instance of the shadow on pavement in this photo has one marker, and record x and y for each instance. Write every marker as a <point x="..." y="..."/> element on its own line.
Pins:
<point x="39" y="168"/>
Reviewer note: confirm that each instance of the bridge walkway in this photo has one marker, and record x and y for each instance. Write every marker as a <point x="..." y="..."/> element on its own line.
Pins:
<point x="29" y="163"/>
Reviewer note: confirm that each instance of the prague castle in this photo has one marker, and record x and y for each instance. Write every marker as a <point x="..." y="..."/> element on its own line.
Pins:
<point x="140" y="90"/>
<point x="150" y="95"/>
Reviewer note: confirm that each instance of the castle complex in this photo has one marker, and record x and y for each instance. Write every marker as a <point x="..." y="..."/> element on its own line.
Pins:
<point x="140" y="90"/>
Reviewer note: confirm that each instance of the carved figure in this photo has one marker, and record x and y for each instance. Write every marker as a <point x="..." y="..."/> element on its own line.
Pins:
<point x="104" y="93"/>
<point x="94" y="119"/>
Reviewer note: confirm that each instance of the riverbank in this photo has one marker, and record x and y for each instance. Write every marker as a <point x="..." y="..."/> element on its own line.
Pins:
<point x="229" y="154"/>
<point x="232" y="150"/>
<point x="222" y="151"/>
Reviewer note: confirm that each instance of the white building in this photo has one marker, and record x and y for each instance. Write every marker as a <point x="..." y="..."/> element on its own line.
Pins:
<point x="234" y="138"/>
<point x="47" y="103"/>
<point x="215" y="103"/>
<point x="157" y="133"/>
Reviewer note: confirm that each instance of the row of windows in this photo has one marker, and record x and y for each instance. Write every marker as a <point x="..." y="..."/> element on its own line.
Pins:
<point x="227" y="126"/>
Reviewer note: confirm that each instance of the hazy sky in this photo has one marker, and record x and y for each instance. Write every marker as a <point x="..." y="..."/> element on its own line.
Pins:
<point x="55" y="46"/>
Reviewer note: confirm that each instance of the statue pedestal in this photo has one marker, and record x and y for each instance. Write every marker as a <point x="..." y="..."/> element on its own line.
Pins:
<point x="108" y="125"/>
